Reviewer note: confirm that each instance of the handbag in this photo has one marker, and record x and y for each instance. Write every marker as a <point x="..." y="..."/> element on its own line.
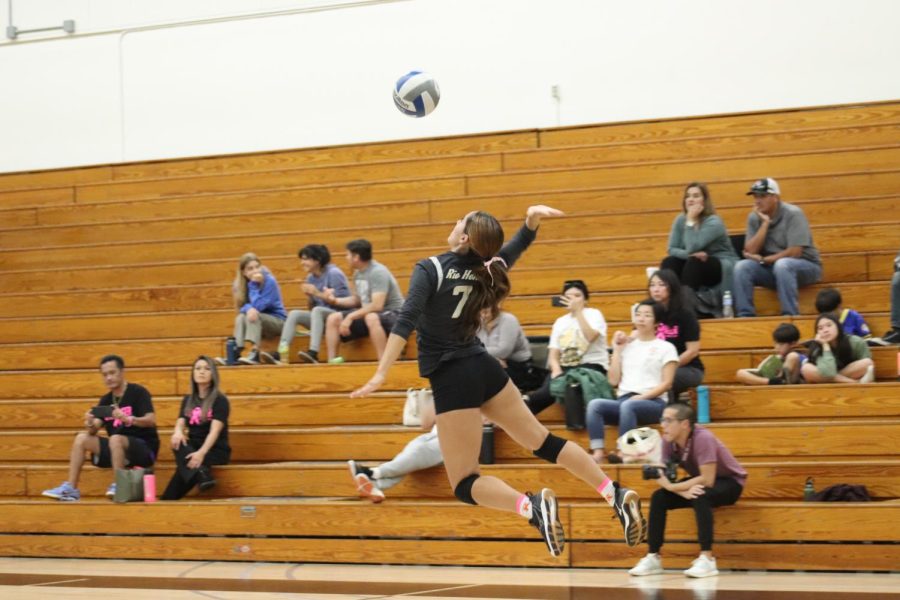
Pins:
<point x="641" y="445"/>
<point x="129" y="485"/>
<point x="412" y="409"/>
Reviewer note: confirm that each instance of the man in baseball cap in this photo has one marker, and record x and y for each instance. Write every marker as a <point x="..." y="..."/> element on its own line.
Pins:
<point x="779" y="252"/>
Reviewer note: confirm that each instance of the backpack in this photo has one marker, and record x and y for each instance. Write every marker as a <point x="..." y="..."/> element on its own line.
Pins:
<point x="842" y="492"/>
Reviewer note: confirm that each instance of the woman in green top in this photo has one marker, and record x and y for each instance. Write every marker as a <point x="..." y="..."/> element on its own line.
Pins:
<point x="835" y="357"/>
<point x="700" y="251"/>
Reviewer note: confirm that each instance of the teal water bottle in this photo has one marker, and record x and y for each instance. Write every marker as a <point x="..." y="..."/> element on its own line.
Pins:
<point x="702" y="404"/>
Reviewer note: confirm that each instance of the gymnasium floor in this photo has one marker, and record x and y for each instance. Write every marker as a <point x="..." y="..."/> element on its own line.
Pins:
<point x="41" y="578"/>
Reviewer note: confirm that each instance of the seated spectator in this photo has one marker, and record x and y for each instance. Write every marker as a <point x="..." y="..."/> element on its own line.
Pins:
<point x="829" y="301"/>
<point x="200" y="439"/>
<point x="132" y="440"/>
<point x="893" y="336"/>
<point x="422" y="452"/>
<point x="370" y="309"/>
<point x="678" y="325"/>
<point x="505" y="340"/>
<point x="835" y="357"/>
<point x="716" y="478"/>
<point x="700" y="251"/>
<point x="260" y="310"/>
<point x="323" y="282"/>
<point x="578" y="339"/>
<point x="780" y="367"/>
<point x="778" y="251"/>
<point x="643" y="366"/>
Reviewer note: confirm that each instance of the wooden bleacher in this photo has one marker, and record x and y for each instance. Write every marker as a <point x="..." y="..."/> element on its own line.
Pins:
<point x="138" y="259"/>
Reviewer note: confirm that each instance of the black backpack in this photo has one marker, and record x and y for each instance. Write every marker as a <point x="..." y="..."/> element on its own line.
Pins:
<point x="842" y="492"/>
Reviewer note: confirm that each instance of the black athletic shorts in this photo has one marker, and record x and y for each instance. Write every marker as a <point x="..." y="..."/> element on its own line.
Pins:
<point x="138" y="454"/>
<point x="466" y="382"/>
<point x="359" y="329"/>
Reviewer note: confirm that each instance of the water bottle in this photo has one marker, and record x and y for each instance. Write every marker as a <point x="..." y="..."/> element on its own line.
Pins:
<point x="808" y="490"/>
<point x="231" y="353"/>
<point x="149" y="487"/>
<point x="702" y="404"/>
<point x="727" y="305"/>
<point x="486" y="456"/>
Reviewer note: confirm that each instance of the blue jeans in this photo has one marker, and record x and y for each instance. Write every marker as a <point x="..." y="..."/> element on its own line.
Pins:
<point x="895" y="302"/>
<point x="785" y="276"/>
<point x="626" y="412"/>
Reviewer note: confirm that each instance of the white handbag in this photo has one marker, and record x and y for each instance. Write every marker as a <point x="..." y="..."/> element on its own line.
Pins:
<point x="412" y="409"/>
<point x="641" y="445"/>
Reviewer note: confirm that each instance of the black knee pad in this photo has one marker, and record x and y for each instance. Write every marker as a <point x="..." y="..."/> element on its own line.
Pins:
<point x="551" y="448"/>
<point x="463" y="489"/>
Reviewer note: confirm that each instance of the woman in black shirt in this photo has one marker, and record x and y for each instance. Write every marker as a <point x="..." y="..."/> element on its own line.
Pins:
<point x="200" y="439"/>
<point x="679" y="325"/>
<point x="446" y="296"/>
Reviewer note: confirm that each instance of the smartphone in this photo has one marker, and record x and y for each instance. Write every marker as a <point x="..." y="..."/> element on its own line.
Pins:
<point x="102" y="412"/>
<point x="557" y="301"/>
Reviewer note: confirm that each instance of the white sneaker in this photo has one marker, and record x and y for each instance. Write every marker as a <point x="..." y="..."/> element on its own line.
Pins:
<point x="649" y="565"/>
<point x="702" y="567"/>
<point x="869" y="377"/>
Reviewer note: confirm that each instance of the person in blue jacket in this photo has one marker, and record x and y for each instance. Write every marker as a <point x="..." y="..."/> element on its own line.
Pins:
<point x="260" y="309"/>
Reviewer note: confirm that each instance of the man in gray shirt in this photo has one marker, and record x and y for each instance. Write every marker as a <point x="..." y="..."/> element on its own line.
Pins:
<point x="372" y="307"/>
<point x="778" y="251"/>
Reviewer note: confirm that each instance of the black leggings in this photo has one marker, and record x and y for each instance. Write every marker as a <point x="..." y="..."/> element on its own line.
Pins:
<point x="724" y="492"/>
<point x="693" y="272"/>
<point x="178" y="487"/>
<point x="541" y="398"/>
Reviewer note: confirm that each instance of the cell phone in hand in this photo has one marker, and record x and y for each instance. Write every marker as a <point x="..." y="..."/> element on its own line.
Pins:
<point x="557" y="301"/>
<point x="102" y="412"/>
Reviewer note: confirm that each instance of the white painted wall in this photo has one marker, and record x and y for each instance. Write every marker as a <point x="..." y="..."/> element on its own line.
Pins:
<point x="151" y="79"/>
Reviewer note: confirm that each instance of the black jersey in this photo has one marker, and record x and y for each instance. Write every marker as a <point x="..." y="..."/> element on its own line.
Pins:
<point x="438" y="290"/>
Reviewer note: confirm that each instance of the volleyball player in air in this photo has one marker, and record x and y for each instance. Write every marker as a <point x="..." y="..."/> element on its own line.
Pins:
<point x="446" y="296"/>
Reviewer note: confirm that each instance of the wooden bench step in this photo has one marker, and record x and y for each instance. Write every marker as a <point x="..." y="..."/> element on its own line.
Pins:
<point x="796" y="439"/>
<point x="766" y="480"/>
<point x="274" y="528"/>
<point x="210" y="294"/>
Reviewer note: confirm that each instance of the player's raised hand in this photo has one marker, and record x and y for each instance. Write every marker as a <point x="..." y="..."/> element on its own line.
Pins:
<point x="535" y="213"/>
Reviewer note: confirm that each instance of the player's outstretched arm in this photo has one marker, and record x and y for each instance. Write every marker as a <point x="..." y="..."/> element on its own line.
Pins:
<point x="537" y="212"/>
<point x="392" y="351"/>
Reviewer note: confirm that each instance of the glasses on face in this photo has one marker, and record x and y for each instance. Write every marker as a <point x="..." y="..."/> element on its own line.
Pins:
<point x="667" y="420"/>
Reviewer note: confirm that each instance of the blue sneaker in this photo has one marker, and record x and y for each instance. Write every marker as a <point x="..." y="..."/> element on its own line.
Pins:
<point x="111" y="490"/>
<point x="64" y="492"/>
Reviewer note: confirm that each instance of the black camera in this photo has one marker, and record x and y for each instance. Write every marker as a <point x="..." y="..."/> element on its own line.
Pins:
<point x="653" y="472"/>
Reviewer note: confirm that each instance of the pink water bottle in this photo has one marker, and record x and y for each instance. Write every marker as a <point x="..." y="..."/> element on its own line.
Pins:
<point x="149" y="487"/>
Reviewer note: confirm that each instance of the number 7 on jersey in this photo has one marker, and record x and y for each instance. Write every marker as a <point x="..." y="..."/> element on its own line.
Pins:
<point x="465" y="290"/>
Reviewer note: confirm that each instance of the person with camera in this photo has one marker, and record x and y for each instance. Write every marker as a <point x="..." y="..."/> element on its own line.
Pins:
<point x="715" y="478"/>
<point x="126" y="412"/>
<point x="578" y="339"/>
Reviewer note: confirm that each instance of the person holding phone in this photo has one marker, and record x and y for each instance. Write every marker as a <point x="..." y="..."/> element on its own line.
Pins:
<point x="126" y="412"/>
<point x="200" y="439"/>
<point x="578" y="339"/>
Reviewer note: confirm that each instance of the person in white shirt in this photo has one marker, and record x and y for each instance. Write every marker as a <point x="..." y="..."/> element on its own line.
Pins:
<point x="578" y="339"/>
<point x="643" y="367"/>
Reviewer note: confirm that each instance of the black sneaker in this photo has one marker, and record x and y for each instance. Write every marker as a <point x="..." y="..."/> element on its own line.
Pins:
<point x="891" y="337"/>
<point x="627" y="505"/>
<point x="270" y="358"/>
<point x="356" y="469"/>
<point x="250" y="359"/>
<point x="545" y="517"/>
<point x="310" y="357"/>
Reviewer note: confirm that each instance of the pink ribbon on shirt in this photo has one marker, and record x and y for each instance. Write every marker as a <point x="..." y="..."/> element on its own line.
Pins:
<point x="195" y="416"/>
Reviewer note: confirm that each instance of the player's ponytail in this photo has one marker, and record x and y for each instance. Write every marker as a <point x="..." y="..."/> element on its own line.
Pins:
<point x="491" y="285"/>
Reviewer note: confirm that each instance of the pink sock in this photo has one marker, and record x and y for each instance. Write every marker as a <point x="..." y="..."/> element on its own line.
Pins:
<point x="607" y="490"/>
<point x="523" y="506"/>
